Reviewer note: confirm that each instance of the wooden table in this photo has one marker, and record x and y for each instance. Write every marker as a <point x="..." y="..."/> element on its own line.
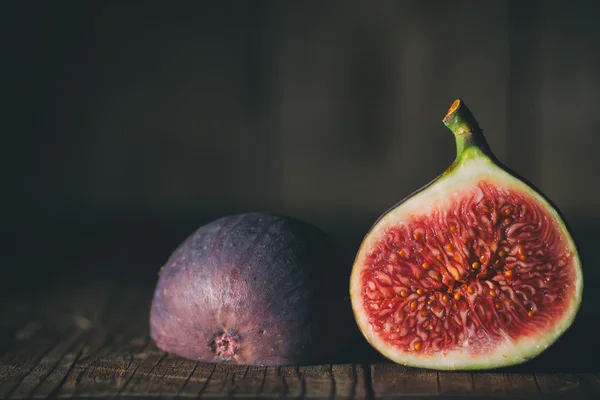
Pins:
<point x="91" y="340"/>
<point x="83" y="333"/>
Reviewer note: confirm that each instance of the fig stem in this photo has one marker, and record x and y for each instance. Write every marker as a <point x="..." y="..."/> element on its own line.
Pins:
<point x="465" y="128"/>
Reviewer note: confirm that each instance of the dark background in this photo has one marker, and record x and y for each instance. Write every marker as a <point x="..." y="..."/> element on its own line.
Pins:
<point x="128" y="124"/>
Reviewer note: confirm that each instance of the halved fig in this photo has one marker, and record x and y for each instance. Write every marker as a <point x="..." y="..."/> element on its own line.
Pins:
<point x="475" y="270"/>
<point x="255" y="289"/>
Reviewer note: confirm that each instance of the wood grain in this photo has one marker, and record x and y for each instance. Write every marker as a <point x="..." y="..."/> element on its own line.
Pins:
<point x="40" y="359"/>
<point x="456" y="383"/>
<point x="114" y="350"/>
<point x="391" y="379"/>
<point x="571" y="385"/>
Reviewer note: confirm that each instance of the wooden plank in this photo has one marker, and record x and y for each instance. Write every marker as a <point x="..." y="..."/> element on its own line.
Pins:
<point x="293" y="382"/>
<point x="101" y="377"/>
<point x="570" y="385"/>
<point x="456" y="383"/>
<point x="276" y="384"/>
<point x="349" y="381"/>
<point x="114" y="350"/>
<point x="250" y="383"/>
<point x="198" y="380"/>
<point x="67" y="322"/>
<point x="564" y="385"/>
<point x="247" y="382"/>
<point x="502" y="384"/>
<point x="160" y="378"/>
<point x="178" y="377"/>
<point x="221" y="382"/>
<point x="22" y="359"/>
<point x="333" y="381"/>
<point x="173" y="376"/>
<point x="61" y="369"/>
<point x="394" y="380"/>
<point x="52" y="367"/>
<point x="317" y="381"/>
<point x="521" y="384"/>
<point x="138" y="374"/>
<point x="30" y="320"/>
<point x="122" y="330"/>
<point x="490" y="384"/>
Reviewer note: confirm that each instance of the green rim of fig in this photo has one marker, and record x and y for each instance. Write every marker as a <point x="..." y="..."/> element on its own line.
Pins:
<point x="475" y="270"/>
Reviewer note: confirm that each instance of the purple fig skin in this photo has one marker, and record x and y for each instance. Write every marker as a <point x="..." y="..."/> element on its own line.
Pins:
<point x="253" y="289"/>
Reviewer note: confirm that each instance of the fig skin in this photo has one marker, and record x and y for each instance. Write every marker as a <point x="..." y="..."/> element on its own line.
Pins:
<point x="253" y="289"/>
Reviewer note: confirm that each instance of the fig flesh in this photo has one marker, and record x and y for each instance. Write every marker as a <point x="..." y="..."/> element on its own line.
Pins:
<point x="253" y="289"/>
<point x="476" y="270"/>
